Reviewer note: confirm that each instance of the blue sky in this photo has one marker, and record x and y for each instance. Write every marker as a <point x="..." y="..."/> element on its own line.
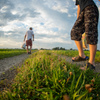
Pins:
<point x="51" y="20"/>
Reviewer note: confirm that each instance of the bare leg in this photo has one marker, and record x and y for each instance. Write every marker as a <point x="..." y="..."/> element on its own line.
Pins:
<point x="80" y="49"/>
<point x="93" y="49"/>
<point x="30" y="48"/>
<point x="27" y="49"/>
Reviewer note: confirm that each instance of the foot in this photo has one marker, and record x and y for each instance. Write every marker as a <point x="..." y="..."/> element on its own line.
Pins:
<point x="29" y="52"/>
<point x="78" y="58"/>
<point x="88" y="65"/>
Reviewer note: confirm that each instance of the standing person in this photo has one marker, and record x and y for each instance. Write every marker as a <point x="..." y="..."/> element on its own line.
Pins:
<point x="87" y="21"/>
<point x="28" y="36"/>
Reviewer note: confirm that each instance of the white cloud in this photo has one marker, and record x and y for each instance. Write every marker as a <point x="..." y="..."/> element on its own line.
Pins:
<point x="9" y="43"/>
<point x="59" y="8"/>
<point x="99" y="11"/>
<point x="51" y="40"/>
<point x="3" y="9"/>
<point x="51" y="20"/>
<point x="7" y="33"/>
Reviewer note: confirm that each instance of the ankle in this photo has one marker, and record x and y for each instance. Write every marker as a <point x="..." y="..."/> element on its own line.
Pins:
<point x="91" y="62"/>
<point x="82" y="55"/>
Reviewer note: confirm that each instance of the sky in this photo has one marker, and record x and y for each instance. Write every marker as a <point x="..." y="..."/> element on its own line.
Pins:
<point x="51" y="20"/>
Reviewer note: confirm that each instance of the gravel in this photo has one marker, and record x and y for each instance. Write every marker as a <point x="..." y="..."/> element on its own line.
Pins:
<point x="8" y="64"/>
<point x="8" y="69"/>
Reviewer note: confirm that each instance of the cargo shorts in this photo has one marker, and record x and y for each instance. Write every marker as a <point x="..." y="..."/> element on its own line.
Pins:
<point x="87" y="22"/>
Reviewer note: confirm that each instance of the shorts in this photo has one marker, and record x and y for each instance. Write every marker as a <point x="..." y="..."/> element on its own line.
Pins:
<point x="29" y="42"/>
<point x="87" y="22"/>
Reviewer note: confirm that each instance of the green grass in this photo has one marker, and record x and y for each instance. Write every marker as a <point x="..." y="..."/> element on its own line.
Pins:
<point x="72" y="53"/>
<point x="45" y="76"/>
<point x="4" y="53"/>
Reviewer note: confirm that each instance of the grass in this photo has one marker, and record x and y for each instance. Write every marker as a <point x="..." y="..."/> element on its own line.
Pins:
<point x="4" y="53"/>
<point x="45" y="76"/>
<point x="73" y="53"/>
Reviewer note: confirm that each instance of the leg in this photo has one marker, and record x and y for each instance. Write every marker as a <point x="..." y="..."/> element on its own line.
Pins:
<point x="81" y="56"/>
<point x="91" y="23"/>
<point x="91" y="63"/>
<point x="93" y="49"/>
<point x="30" y="48"/>
<point x="27" y="48"/>
<point x="80" y="48"/>
<point x="76" y="35"/>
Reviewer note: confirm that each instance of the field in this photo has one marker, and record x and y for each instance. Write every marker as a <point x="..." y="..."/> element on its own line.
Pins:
<point x="45" y="76"/>
<point x="5" y="53"/>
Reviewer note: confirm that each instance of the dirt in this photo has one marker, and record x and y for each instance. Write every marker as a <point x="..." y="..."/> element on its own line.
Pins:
<point x="8" y="69"/>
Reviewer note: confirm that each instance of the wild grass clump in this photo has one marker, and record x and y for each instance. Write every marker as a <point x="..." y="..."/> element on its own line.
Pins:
<point x="45" y="76"/>
<point x="74" y="53"/>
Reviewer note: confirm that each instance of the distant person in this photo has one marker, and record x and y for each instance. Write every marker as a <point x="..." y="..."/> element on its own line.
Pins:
<point x="87" y="21"/>
<point x="28" y="36"/>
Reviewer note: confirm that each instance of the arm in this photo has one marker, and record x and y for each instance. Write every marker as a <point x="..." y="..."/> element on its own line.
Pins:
<point x="33" y="37"/>
<point x="24" y="37"/>
<point x="78" y="11"/>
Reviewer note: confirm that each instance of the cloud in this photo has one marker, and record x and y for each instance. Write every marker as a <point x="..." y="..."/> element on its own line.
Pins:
<point x="10" y="12"/>
<point x="51" y="20"/>
<point x="9" y="43"/>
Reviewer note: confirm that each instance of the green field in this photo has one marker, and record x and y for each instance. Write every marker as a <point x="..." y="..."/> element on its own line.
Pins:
<point x="5" y="53"/>
<point x="45" y="76"/>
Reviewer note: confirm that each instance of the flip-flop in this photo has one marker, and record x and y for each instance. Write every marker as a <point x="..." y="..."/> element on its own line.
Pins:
<point x="88" y="65"/>
<point x="78" y="58"/>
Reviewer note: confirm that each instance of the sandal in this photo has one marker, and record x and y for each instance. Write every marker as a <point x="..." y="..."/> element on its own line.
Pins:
<point x="88" y="65"/>
<point x="78" y="58"/>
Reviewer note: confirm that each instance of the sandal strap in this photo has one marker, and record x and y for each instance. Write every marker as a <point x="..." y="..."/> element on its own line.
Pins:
<point x="78" y="58"/>
<point x="90" y="66"/>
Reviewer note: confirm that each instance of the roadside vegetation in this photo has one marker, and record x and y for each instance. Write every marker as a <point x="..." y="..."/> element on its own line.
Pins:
<point x="73" y="53"/>
<point x="45" y="76"/>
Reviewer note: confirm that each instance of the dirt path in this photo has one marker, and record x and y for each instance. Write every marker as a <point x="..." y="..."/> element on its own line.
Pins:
<point x="8" y="69"/>
<point x="83" y="63"/>
<point x="7" y="63"/>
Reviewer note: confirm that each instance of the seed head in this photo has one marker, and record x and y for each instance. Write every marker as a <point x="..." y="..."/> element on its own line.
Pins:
<point x="93" y="80"/>
<point x="59" y="81"/>
<point x="90" y="90"/>
<point x="70" y="73"/>
<point x="87" y="86"/>
<point x="92" y="84"/>
<point x="66" y="97"/>
<point x="97" y="95"/>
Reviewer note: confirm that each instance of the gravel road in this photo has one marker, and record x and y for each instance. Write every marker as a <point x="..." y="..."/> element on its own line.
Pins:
<point x="8" y="63"/>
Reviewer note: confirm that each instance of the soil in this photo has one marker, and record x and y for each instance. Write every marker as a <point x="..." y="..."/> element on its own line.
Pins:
<point x="8" y="69"/>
